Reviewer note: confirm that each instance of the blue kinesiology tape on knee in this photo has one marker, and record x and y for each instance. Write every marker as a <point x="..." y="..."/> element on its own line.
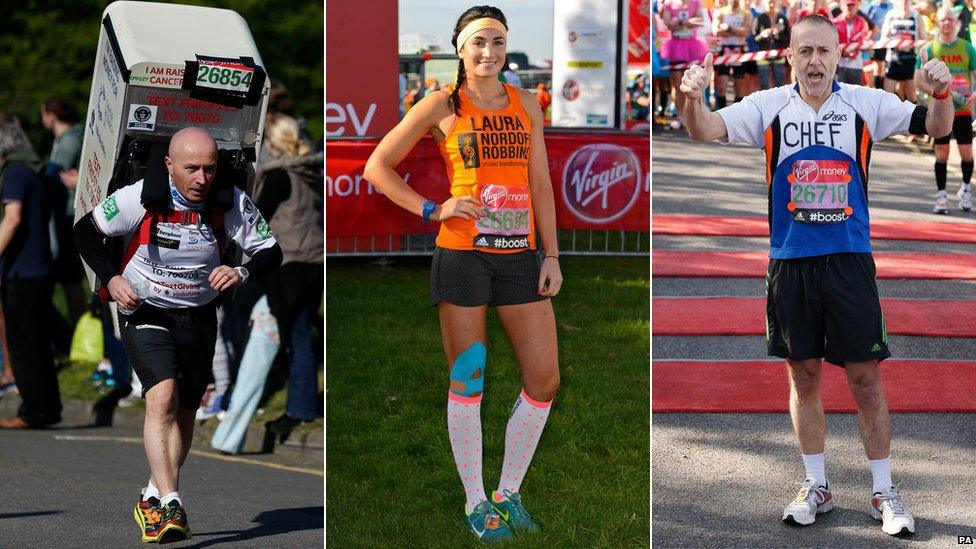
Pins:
<point x="466" y="365"/>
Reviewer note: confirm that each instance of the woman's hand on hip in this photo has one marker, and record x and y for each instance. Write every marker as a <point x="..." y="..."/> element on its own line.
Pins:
<point x="465" y="207"/>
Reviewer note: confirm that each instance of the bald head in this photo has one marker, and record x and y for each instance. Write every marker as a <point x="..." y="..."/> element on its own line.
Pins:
<point x="192" y="162"/>
<point x="817" y="21"/>
<point x="192" y="140"/>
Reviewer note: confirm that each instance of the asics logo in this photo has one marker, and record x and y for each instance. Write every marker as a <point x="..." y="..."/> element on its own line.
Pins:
<point x="835" y="117"/>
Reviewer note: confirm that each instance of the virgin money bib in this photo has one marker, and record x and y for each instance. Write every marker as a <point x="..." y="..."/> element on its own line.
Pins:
<point x="818" y="205"/>
<point x="487" y="157"/>
<point x="817" y="162"/>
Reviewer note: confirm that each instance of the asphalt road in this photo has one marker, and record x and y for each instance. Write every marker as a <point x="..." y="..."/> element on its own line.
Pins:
<point x="722" y="480"/>
<point x="75" y="486"/>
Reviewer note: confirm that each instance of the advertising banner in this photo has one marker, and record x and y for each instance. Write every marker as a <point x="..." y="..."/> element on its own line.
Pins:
<point x="587" y="54"/>
<point x="639" y="33"/>
<point x="362" y="97"/>
<point x="600" y="181"/>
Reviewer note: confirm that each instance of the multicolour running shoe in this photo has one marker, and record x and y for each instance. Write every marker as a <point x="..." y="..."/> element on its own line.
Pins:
<point x="485" y="522"/>
<point x="509" y="506"/>
<point x="812" y="500"/>
<point x="174" y="526"/>
<point x="888" y="509"/>
<point x="149" y="516"/>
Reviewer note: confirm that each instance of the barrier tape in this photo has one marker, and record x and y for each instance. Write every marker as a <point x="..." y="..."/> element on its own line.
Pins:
<point x="736" y="58"/>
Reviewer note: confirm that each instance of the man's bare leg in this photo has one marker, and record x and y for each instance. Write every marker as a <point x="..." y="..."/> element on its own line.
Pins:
<point x="162" y="436"/>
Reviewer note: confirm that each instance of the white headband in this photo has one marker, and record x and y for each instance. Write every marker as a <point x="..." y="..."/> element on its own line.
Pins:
<point x="479" y="24"/>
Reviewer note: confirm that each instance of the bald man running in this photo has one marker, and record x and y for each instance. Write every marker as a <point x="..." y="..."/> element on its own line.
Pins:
<point x="822" y="299"/>
<point x="173" y="257"/>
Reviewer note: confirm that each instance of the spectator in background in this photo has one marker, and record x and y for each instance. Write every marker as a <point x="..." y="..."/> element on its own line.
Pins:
<point x="877" y="12"/>
<point x="964" y="15"/>
<point x="851" y="28"/>
<point x="639" y="98"/>
<point x="59" y="117"/>
<point x="544" y="99"/>
<point x="512" y="77"/>
<point x="25" y="280"/>
<point x="810" y="7"/>
<point x="772" y="32"/>
<point x="289" y="194"/>
<point x="431" y="85"/>
<point x="410" y="99"/>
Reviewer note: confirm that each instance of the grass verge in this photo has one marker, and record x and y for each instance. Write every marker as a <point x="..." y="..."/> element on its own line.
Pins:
<point x="391" y="479"/>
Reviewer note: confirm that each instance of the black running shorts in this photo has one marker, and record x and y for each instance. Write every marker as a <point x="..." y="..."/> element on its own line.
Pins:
<point x="825" y="307"/>
<point x="172" y="344"/>
<point x="962" y="131"/>
<point x="471" y="278"/>
<point x="900" y="71"/>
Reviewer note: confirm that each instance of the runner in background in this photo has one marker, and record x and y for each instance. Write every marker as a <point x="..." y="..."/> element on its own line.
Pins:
<point x="902" y="23"/>
<point x="486" y="255"/>
<point x="683" y="18"/>
<point x="732" y="24"/>
<point x="876" y="13"/>
<point x="960" y="56"/>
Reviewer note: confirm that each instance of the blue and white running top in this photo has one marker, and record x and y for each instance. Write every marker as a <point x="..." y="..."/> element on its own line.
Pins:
<point x="817" y="162"/>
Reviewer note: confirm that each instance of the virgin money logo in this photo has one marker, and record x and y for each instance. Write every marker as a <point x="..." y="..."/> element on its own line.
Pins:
<point x="806" y="171"/>
<point x="494" y="196"/>
<point x="571" y="90"/>
<point x="601" y="182"/>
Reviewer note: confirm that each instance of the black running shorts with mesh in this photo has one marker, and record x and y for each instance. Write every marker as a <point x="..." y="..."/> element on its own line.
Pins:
<point x="471" y="278"/>
<point x="962" y="131"/>
<point x="825" y="307"/>
<point x="175" y="344"/>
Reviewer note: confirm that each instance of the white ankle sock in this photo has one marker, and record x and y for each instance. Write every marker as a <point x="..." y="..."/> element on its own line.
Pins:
<point x="815" y="468"/>
<point x="150" y="491"/>
<point x="880" y="474"/>
<point x="521" y="438"/>
<point x="464" y="430"/>
<point x="170" y="497"/>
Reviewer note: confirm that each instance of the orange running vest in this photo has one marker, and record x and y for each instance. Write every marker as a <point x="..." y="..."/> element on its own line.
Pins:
<point x="487" y="156"/>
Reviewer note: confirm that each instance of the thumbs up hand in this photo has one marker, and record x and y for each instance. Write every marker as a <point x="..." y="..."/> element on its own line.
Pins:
<point x="697" y="79"/>
<point x="935" y="73"/>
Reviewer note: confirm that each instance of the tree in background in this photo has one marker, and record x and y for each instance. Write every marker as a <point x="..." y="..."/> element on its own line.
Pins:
<point x="47" y="48"/>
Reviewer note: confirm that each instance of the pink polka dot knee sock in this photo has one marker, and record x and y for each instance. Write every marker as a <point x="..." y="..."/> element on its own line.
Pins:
<point x="521" y="438"/>
<point x="464" y="428"/>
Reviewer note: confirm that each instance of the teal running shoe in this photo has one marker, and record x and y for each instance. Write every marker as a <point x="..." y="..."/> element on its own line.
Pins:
<point x="484" y="521"/>
<point x="509" y="507"/>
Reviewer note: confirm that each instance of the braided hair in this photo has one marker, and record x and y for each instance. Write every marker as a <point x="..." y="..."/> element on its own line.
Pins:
<point x="477" y="12"/>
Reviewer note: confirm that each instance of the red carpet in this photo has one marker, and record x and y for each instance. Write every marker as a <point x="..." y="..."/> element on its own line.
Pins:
<point x="746" y="316"/>
<point x="886" y="229"/>
<point x="910" y="386"/>
<point x="753" y="265"/>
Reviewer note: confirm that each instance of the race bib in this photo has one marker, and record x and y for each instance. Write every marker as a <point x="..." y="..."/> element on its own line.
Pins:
<point x="504" y="221"/>
<point x="818" y="191"/>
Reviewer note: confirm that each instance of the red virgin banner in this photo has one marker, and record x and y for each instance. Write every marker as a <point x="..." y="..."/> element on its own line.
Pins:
<point x="361" y="101"/>
<point x="600" y="181"/>
<point x="639" y="33"/>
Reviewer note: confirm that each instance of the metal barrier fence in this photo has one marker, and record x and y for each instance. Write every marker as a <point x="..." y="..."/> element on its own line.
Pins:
<point x="587" y="242"/>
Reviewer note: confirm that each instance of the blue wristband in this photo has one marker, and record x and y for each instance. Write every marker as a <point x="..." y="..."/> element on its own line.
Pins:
<point x="429" y="207"/>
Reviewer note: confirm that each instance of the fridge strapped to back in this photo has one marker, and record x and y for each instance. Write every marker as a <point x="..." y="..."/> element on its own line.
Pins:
<point x="160" y="68"/>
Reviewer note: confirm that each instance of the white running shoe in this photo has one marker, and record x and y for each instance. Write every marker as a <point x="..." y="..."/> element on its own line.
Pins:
<point x="941" y="204"/>
<point x="812" y="500"/>
<point x="890" y="511"/>
<point x="965" y="199"/>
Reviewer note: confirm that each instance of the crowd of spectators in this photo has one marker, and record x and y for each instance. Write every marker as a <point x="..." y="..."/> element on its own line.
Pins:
<point x="37" y="253"/>
<point x="685" y="30"/>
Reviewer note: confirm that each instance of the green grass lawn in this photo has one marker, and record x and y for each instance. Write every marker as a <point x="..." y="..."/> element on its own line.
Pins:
<point x="390" y="475"/>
